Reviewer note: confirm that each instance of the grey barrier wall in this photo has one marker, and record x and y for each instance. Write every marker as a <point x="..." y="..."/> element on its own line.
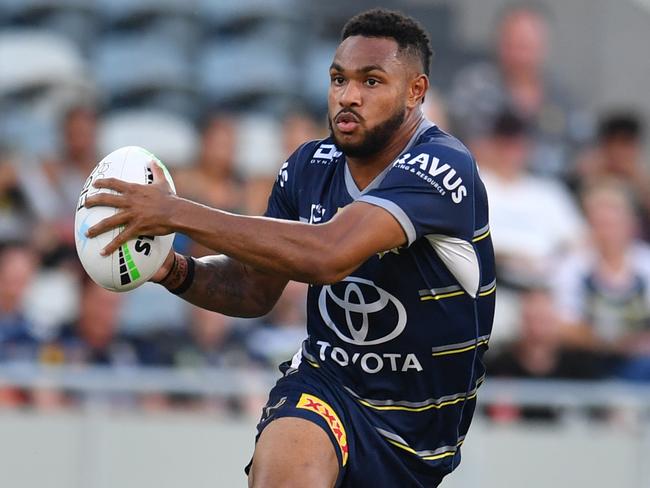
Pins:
<point x="99" y="446"/>
<point x="97" y="449"/>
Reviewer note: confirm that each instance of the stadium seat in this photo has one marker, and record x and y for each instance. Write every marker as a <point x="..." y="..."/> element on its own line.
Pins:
<point x="240" y="70"/>
<point x="23" y="10"/>
<point x="121" y="12"/>
<point x="174" y="21"/>
<point x="27" y="132"/>
<point x="259" y="146"/>
<point x="74" y="19"/>
<point x="31" y="59"/>
<point x="79" y="26"/>
<point x="316" y="63"/>
<point x="185" y="31"/>
<point x="170" y="137"/>
<point x="227" y="14"/>
<point x="129" y="66"/>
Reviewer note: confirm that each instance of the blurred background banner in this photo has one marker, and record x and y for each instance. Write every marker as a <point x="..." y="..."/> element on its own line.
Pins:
<point x="139" y="389"/>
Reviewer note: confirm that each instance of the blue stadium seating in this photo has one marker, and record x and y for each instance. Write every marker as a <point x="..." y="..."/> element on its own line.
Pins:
<point x="235" y="70"/>
<point x="129" y="66"/>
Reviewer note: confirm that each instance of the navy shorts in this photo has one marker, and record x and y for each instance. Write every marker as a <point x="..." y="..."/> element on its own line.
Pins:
<point x="365" y="458"/>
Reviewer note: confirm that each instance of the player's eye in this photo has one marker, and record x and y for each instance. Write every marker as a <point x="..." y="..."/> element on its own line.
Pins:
<point x="337" y="80"/>
<point x="372" y="82"/>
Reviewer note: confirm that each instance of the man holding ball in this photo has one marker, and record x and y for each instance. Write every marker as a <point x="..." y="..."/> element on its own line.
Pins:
<point x="387" y="221"/>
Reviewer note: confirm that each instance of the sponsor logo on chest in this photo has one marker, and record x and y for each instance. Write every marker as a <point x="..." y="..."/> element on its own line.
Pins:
<point x="430" y="169"/>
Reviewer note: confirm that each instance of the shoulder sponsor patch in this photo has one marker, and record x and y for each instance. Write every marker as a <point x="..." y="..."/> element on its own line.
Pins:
<point x="315" y="404"/>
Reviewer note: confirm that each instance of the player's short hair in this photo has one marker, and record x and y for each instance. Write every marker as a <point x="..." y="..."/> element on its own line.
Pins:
<point x="409" y="34"/>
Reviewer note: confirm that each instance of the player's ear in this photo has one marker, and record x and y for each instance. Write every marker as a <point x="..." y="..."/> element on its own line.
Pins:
<point x="418" y="87"/>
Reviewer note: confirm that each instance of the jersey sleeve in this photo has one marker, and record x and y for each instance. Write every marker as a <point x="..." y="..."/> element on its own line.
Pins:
<point x="429" y="191"/>
<point x="283" y="202"/>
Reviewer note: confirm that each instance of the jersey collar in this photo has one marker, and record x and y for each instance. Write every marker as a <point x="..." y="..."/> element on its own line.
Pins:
<point x="352" y="187"/>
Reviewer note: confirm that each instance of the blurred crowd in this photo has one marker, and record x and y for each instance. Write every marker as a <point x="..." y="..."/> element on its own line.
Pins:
<point x="569" y="198"/>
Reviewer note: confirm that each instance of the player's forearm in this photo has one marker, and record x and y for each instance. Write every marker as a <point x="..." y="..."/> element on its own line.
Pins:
<point x="298" y="251"/>
<point x="226" y="286"/>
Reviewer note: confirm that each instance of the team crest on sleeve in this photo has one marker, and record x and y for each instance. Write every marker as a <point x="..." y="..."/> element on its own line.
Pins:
<point x="430" y="169"/>
<point x="283" y="174"/>
<point x="315" y="404"/>
<point x="316" y="213"/>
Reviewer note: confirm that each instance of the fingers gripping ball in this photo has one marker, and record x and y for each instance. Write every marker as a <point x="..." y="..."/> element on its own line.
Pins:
<point x="137" y="260"/>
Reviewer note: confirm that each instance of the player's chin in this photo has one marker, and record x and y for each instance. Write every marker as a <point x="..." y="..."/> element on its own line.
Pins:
<point x="351" y="138"/>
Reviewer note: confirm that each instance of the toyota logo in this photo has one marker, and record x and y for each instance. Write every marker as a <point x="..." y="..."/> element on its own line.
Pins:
<point x="354" y="303"/>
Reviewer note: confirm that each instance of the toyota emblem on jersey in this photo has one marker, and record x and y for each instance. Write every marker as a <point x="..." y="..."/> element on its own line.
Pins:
<point x="354" y="301"/>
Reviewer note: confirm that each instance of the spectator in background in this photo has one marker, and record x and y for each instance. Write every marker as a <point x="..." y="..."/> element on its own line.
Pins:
<point x="52" y="188"/>
<point x="517" y="81"/>
<point x="279" y="335"/>
<point x="435" y="109"/>
<point x="532" y="218"/>
<point x="18" y="267"/>
<point x="537" y="353"/>
<point x="603" y="293"/>
<point x="213" y="179"/>
<point x="265" y="146"/>
<point x="297" y="128"/>
<point x="211" y="340"/>
<point x="16" y="218"/>
<point x="619" y="155"/>
<point x="18" y="342"/>
<point x="94" y="338"/>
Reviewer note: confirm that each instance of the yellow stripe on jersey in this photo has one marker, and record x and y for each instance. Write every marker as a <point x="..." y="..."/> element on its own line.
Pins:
<point x="428" y="404"/>
<point x="462" y="349"/>
<point x="488" y="292"/>
<point x="443" y="295"/>
<point x="418" y="409"/>
<point x="481" y="237"/>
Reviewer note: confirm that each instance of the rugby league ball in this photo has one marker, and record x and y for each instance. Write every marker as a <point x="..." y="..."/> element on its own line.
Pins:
<point x="137" y="260"/>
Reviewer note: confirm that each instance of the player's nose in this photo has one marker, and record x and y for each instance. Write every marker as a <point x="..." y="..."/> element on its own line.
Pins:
<point x="350" y="96"/>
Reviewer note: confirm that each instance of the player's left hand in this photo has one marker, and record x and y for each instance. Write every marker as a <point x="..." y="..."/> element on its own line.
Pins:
<point x="143" y="209"/>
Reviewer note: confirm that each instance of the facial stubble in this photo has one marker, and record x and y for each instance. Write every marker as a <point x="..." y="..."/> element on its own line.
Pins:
<point x="375" y="140"/>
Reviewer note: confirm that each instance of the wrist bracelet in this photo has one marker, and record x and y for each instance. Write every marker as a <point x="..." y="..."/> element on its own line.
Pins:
<point x="189" y="277"/>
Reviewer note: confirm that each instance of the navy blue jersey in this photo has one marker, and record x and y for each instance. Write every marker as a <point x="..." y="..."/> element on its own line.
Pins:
<point x="404" y="334"/>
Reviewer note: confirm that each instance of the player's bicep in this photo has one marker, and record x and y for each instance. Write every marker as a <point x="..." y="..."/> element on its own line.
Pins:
<point x="269" y="285"/>
<point x="357" y="232"/>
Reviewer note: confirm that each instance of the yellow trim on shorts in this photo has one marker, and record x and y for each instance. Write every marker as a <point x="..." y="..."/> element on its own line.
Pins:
<point x="427" y="458"/>
<point x="322" y="408"/>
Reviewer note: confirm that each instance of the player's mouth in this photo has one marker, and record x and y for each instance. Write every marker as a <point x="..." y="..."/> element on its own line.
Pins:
<point x="347" y="122"/>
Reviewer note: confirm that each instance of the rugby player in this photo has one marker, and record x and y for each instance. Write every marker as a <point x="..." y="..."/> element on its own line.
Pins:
<point x="387" y="220"/>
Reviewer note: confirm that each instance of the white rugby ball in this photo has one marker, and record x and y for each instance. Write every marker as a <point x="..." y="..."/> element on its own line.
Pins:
<point x="137" y="260"/>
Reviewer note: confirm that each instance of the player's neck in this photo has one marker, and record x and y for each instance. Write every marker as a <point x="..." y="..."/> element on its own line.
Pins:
<point x="365" y="170"/>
